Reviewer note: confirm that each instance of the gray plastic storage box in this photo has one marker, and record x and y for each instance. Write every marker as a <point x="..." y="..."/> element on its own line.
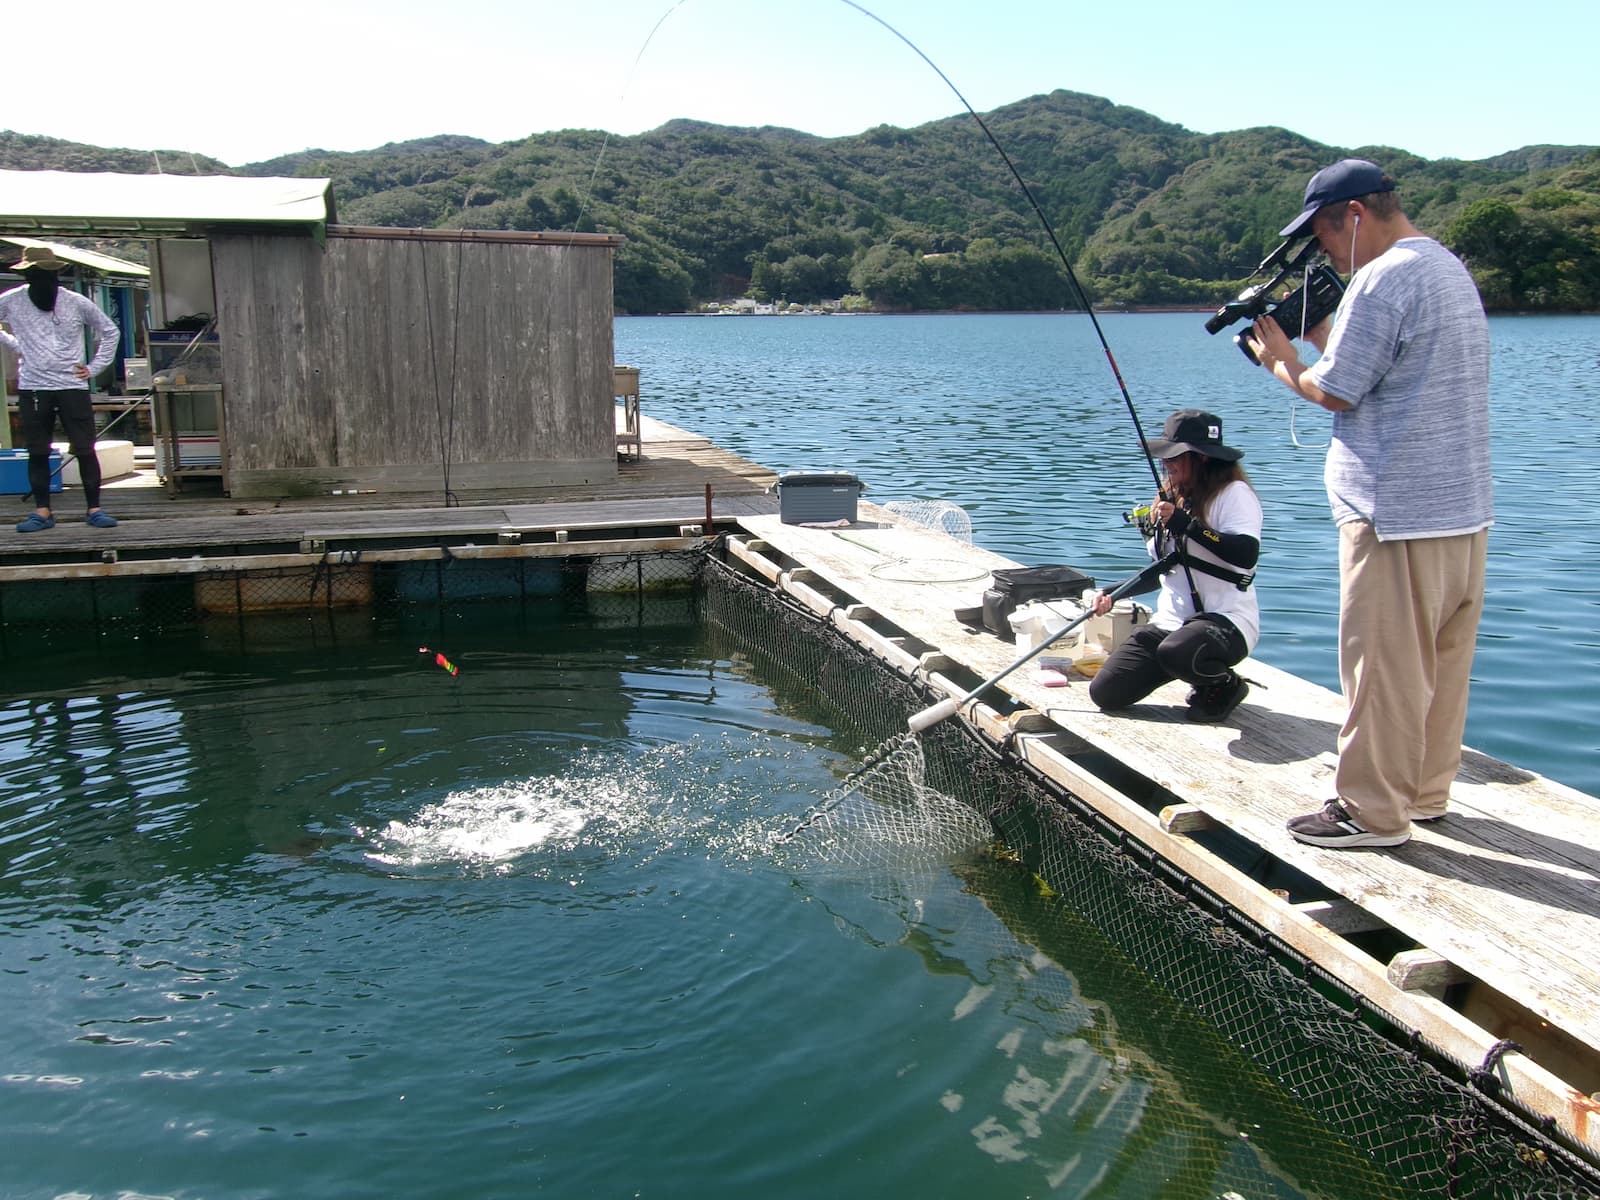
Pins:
<point x="806" y="496"/>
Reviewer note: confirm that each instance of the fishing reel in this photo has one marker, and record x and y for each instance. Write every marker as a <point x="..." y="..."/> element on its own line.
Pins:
<point x="1301" y="309"/>
<point x="1144" y="519"/>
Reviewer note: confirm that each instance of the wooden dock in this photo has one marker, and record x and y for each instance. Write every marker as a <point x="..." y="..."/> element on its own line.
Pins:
<point x="1500" y="902"/>
<point x="1503" y="895"/>
<point x="661" y="491"/>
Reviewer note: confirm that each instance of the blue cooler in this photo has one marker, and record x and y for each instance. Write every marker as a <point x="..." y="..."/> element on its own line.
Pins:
<point x="14" y="471"/>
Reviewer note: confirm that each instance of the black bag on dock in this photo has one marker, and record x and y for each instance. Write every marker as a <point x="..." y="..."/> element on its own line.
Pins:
<point x="1016" y="586"/>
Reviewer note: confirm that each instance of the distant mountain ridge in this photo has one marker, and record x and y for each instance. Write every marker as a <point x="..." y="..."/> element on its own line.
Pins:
<point x="929" y="218"/>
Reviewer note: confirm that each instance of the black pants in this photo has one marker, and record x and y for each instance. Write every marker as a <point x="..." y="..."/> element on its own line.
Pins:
<point x="39" y="410"/>
<point x="1199" y="652"/>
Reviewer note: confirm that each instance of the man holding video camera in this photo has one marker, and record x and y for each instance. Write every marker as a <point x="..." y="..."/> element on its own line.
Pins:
<point x="1405" y="372"/>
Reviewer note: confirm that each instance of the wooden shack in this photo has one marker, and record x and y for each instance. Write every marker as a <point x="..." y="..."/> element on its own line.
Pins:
<point x="352" y="357"/>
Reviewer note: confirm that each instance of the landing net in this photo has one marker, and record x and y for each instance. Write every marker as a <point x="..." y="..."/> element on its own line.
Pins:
<point x="884" y="816"/>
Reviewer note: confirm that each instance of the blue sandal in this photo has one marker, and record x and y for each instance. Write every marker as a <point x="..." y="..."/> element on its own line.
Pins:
<point x="35" y="523"/>
<point x="101" y="519"/>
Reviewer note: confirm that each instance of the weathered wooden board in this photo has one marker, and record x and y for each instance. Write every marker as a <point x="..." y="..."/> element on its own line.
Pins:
<point x="387" y="352"/>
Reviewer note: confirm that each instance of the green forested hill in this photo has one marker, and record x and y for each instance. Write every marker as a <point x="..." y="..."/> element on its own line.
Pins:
<point x="930" y="218"/>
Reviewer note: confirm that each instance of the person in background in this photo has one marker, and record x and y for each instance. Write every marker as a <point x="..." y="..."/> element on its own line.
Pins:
<point x="48" y="329"/>
<point x="1405" y="372"/>
<point x="1206" y="618"/>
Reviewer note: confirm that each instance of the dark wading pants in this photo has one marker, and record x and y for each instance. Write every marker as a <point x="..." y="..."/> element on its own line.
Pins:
<point x="1199" y="652"/>
<point x="39" y="409"/>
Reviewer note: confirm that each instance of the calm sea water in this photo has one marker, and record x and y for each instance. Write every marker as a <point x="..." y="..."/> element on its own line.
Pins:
<point x="1018" y="419"/>
<point x="307" y="917"/>
<point x="298" y="915"/>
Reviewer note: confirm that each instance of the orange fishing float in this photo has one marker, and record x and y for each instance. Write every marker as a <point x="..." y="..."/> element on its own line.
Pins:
<point x="440" y="660"/>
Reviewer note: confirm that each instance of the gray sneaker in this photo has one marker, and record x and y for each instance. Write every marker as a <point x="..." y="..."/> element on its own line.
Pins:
<point x="1335" y="828"/>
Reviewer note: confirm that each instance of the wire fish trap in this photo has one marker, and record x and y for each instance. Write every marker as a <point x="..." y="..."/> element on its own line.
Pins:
<point x="940" y="515"/>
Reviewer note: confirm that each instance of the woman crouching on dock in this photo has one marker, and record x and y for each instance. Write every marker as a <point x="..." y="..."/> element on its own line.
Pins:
<point x="1206" y="619"/>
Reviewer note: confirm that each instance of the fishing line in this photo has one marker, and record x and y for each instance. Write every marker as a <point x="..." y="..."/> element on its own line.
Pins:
<point x="1072" y="276"/>
<point x="627" y="81"/>
<point x="893" y="756"/>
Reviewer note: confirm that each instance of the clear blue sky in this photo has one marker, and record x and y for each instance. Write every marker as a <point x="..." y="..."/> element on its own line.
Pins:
<point x="244" y="80"/>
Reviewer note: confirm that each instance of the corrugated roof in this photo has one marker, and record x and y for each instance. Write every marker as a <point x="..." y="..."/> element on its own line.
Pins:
<point x="93" y="259"/>
<point x="68" y="203"/>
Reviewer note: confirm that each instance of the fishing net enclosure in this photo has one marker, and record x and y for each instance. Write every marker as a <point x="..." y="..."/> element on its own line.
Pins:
<point x="1233" y="1013"/>
<point x="1235" y="1030"/>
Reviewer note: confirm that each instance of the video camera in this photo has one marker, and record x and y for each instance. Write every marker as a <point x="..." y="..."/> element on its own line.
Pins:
<point x="1302" y="308"/>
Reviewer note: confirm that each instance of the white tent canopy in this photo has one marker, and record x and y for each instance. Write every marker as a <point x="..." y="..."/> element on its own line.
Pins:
<point x="71" y="203"/>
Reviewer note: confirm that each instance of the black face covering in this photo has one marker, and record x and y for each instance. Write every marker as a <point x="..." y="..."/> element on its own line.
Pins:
<point x="42" y="287"/>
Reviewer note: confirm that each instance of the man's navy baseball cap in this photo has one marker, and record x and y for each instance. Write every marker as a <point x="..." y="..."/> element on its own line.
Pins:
<point x="1345" y="180"/>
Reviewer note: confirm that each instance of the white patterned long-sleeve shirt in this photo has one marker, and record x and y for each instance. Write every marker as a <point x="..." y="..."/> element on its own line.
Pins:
<point x="51" y="343"/>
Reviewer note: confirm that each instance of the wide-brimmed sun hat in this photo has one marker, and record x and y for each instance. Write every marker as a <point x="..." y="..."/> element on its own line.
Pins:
<point x="40" y="258"/>
<point x="1193" y="429"/>
<point x="1345" y="180"/>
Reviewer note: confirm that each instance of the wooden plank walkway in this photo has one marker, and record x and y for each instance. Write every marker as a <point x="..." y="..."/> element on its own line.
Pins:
<point x="1505" y="890"/>
<point x="665" y="486"/>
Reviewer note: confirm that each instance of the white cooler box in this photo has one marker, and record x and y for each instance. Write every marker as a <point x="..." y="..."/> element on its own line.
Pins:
<point x="116" y="459"/>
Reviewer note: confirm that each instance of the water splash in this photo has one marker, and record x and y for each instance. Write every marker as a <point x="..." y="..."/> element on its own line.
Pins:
<point x="681" y="798"/>
<point x="484" y="826"/>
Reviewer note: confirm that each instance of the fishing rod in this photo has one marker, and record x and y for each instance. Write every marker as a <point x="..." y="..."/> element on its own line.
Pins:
<point x="1072" y="276"/>
<point x="1066" y="264"/>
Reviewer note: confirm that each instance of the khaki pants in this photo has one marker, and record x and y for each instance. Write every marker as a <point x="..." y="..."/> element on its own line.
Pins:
<point x="1408" y="624"/>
